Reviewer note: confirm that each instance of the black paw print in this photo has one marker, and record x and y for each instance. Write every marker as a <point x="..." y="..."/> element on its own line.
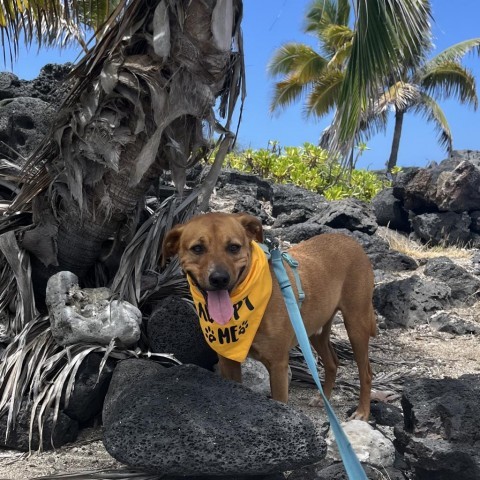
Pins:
<point x="243" y="327"/>
<point x="210" y="334"/>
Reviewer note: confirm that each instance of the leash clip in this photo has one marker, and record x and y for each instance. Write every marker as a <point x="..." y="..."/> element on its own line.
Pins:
<point x="272" y="243"/>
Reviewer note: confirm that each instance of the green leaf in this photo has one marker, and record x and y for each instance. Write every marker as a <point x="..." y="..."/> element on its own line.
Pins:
<point x="324" y="95"/>
<point x="455" y="53"/>
<point x="296" y="60"/>
<point x="450" y="79"/>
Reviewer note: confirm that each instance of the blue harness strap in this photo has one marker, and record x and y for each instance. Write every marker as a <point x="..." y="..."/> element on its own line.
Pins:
<point x="352" y="465"/>
<point x="293" y="265"/>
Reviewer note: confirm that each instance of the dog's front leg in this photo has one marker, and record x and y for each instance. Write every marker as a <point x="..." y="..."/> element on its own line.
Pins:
<point x="230" y="369"/>
<point x="279" y="380"/>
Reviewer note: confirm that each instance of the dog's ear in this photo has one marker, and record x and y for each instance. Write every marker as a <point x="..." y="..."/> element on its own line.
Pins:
<point x="252" y="225"/>
<point x="171" y="243"/>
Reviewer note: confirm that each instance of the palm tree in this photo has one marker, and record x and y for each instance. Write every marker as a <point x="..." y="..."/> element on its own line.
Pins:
<point x="140" y="103"/>
<point x="342" y="77"/>
<point x="423" y="84"/>
<point x="125" y="121"/>
<point x="318" y="77"/>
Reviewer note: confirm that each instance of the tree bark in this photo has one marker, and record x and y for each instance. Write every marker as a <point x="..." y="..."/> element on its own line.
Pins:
<point x="397" y="133"/>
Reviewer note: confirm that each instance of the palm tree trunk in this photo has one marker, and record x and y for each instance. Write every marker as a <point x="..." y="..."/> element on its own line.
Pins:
<point x="397" y="133"/>
<point x="129" y="117"/>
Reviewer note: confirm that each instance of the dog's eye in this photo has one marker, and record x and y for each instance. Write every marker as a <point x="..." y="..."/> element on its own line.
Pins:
<point x="232" y="248"/>
<point x="197" y="249"/>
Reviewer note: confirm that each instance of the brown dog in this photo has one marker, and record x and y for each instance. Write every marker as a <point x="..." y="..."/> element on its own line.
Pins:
<point x="215" y="252"/>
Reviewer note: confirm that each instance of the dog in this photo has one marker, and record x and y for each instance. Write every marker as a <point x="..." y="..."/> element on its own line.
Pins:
<point x="218" y="253"/>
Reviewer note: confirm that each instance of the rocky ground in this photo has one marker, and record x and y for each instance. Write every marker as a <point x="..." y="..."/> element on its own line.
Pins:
<point x="396" y="355"/>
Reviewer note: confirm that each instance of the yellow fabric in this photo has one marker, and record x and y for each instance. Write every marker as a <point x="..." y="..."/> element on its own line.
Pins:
<point x="249" y="299"/>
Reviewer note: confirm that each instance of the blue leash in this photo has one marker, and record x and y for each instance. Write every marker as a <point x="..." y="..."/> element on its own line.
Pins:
<point x="350" y="460"/>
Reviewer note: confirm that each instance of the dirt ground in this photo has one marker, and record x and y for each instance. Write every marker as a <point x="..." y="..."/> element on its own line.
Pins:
<point x="396" y="355"/>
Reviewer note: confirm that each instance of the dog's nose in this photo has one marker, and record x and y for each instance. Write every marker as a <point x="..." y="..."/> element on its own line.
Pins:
<point x="219" y="279"/>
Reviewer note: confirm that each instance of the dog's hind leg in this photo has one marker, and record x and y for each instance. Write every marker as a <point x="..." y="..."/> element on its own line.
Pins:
<point x="321" y="343"/>
<point x="357" y="324"/>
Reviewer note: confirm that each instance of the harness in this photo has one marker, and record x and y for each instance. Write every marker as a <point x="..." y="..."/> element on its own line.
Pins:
<point x="350" y="460"/>
<point x="270" y="245"/>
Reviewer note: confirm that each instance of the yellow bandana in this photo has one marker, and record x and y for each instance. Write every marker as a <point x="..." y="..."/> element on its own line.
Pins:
<point x="234" y="339"/>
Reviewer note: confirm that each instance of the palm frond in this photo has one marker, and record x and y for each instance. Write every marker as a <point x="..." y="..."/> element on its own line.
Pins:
<point x="371" y="126"/>
<point x="448" y="79"/>
<point x="296" y="59"/>
<point x="50" y="22"/>
<point x="455" y="53"/>
<point x="372" y="122"/>
<point x="94" y="12"/>
<point x="301" y="66"/>
<point x="16" y="284"/>
<point x="383" y="381"/>
<point x="35" y="367"/>
<point x="120" y="474"/>
<point x="323" y="13"/>
<point x="387" y="36"/>
<point x="209" y="182"/>
<point x="400" y="96"/>
<point x="324" y="95"/>
<point x="343" y="12"/>
<point x="329" y="21"/>
<point x="286" y="92"/>
<point x="431" y="111"/>
<point x="143" y="253"/>
<point x="337" y="37"/>
<point x="341" y="55"/>
<point x="18" y="364"/>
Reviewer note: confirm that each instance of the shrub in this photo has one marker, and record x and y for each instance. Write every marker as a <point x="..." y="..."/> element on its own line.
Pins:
<point x="309" y="167"/>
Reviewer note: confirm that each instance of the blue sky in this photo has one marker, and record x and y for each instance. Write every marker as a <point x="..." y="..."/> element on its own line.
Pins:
<point x="267" y="24"/>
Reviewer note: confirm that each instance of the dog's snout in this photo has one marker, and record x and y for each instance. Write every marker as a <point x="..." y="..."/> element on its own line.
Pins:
<point x="219" y="279"/>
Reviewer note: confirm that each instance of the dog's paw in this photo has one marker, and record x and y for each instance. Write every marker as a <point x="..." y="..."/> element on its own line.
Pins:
<point x="358" y="415"/>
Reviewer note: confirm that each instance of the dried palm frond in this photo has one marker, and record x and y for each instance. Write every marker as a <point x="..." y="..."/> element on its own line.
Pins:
<point x="382" y="381"/>
<point x="13" y="221"/>
<point x="143" y="254"/>
<point x="17" y="301"/>
<point x="36" y="368"/>
<point x="120" y="474"/>
<point x="155" y="65"/>
<point x="147" y="97"/>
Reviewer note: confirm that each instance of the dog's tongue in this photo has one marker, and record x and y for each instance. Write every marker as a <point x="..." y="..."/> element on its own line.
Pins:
<point x="219" y="305"/>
